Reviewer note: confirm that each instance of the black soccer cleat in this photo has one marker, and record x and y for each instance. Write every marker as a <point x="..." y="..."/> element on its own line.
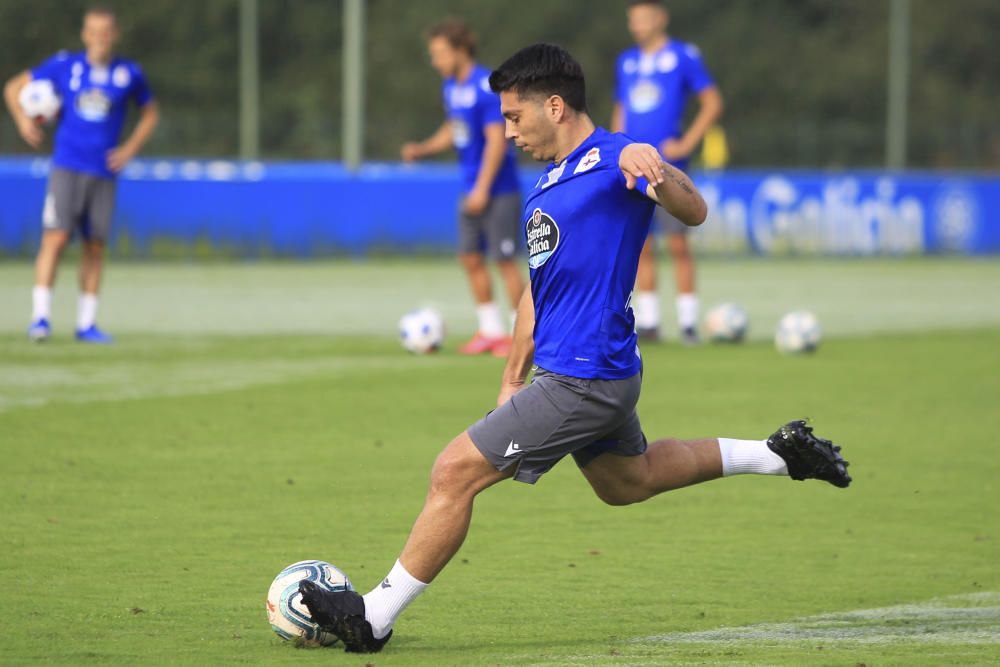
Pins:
<point x="342" y="614"/>
<point x="807" y="456"/>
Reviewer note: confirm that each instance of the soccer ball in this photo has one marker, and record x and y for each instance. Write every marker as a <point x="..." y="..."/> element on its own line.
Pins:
<point x="422" y="331"/>
<point x="797" y="332"/>
<point x="286" y="613"/>
<point x="727" y="323"/>
<point x="40" y="101"/>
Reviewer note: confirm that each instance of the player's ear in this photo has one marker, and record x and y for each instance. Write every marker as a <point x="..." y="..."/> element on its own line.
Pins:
<point x="555" y="107"/>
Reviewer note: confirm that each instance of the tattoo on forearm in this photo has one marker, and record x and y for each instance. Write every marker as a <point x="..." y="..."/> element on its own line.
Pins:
<point x="681" y="182"/>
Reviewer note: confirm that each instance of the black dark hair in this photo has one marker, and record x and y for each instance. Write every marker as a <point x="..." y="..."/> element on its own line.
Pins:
<point x="542" y="69"/>
<point x="654" y="3"/>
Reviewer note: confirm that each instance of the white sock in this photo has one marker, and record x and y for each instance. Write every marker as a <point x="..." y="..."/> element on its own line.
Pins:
<point x="490" y="321"/>
<point x="647" y="310"/>
<point x="687" y="310"/>
<point x="388" y="600"/>
<point x="86" y="311"/>
<point x="41" y="302"/>
<point x="741" y="457"/>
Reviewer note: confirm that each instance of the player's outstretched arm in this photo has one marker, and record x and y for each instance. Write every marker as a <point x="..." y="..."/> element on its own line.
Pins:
<point x="522" y="352"/>
<point x="668" y="186"/>
<point x="438" y="142"/>
<point x="29" y="131"/>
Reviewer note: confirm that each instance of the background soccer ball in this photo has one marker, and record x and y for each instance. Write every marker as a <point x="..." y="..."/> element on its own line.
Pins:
<point x="797" y="332"/>
<point x="727" y="323"/>
<point x="422" y="331"/>
<point x="289" y="618"/>
<point x="39" y="100"/>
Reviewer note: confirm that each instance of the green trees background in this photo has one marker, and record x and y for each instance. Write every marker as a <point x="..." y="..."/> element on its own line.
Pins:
<point x="804" y="80"/>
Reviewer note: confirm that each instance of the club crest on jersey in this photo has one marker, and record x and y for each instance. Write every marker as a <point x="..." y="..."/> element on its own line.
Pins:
<point x="93" y="105"/>
<point x="542" y="234"/>
<point x="592" y="157"/>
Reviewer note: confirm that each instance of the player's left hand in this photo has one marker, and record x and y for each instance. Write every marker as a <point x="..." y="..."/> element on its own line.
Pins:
<point x="675" y="149"/>
<point x="118" y="157"/>
<point x="641" y="161"/>
<point x="476" y="202"/>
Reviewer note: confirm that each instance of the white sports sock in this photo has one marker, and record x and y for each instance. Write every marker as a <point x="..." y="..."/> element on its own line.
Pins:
<point x="86" y="311"/>
<point x="490" y="321"/>
<point x="41" y="302"/>
<point x="741" y="457"/>
<point x="687" y="310"/>
<point x="388" y="600"/>
<point x="647" y="310"/>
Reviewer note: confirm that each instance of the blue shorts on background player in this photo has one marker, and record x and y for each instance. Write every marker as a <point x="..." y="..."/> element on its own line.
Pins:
<point x="654" y="82"/>
<point x="488" y="218"/>
<point x="96" y="88"/>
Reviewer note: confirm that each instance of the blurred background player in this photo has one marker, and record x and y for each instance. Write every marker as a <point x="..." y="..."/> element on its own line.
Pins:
<point x="95" y="86"/>
<point x="654" y="81"/>
<point x="490" y="211"/>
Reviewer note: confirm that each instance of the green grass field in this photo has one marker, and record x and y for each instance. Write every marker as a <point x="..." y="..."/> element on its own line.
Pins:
<point x="255" y="415"/>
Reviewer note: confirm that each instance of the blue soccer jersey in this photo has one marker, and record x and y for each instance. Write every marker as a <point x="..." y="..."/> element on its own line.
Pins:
<point x="471" y="106"/>
<point x="94" y="103"/>
<point x="584" y="231"/>
<point x="653" y="89"/>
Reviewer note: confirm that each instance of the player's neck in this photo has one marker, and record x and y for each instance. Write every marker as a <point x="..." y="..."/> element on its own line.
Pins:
<point x="94" y="61"/>
<point x="654" y="45"/>
<point x="575" y="133"/>
<point x="464" y="71"/>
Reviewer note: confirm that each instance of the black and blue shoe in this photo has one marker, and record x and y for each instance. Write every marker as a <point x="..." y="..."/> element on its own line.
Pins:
<point x="93" y="335"/>
<point x="341" y="613"/>
<point x="808" y="456"/>
<point x="39" y="330"/>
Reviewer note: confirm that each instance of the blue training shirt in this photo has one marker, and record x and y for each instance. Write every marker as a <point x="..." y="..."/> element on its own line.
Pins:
<point x="94" y="103"/>
<point x="653" y="89"/>
<point x="470" y="106"/>
<point x="584" y="230"/>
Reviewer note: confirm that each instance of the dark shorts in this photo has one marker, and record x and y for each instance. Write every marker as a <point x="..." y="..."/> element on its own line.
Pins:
<point x="496" y="232"/>
<point x="75" y="200"/>
<point x="558" y="415"/>
<point x="664" y="223"/>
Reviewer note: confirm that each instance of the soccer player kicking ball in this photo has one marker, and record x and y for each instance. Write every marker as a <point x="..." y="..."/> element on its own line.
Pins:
<point x="96" y="87"/>
<point x="586" y="221"/>
<point x="490" y="211"/>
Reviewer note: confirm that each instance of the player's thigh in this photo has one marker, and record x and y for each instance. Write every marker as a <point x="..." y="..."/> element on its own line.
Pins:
<point x="99" y="209"/>
<point x="616" y="461"/>
<point x="462" y="467"/>
<point x="65" y="200"/>
<point x="502" y="225"/>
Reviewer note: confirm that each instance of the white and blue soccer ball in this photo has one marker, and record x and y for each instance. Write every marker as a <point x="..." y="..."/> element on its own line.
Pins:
<point x="727" y="323"/>
<point x="798" y="332"/>
<point x="288" y="616"/>
<point x="422" y="331"/>
<point x="40" y="101"/>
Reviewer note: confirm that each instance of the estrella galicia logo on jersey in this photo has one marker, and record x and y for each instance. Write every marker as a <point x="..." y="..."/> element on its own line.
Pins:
<point x="93" y="105"/>
<point x="542" y="233"/>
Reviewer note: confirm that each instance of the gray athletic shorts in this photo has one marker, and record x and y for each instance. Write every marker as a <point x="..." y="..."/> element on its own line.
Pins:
<point x="496" y="232"/>
<point x="558" y="415"/>
<point x="75" y="200"/>
<point x="664" y="223"/>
